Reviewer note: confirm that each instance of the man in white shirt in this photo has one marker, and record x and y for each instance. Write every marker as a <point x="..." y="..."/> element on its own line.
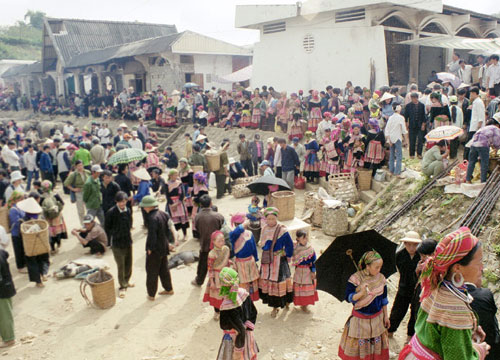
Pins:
<point x="324" y="124"/>
<point x="68" y="128"/>
<point x="454" y="66"/>
<point x="477" y="119"/>
<point x="396" y="136"/>
<point x="31" y="167"/>
<point x="277" y="158"/>
<point x="465" y="72"/>
<point x="494" y="76"/>
<point x="10" y="157"/>
<point x="135" y="142"/>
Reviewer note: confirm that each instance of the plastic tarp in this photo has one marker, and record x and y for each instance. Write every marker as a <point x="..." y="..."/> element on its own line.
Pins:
<point x="240" y="75"/>
<point x="456" y="42"/>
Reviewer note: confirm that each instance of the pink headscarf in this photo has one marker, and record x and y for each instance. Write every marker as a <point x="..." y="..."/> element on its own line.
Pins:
<point x="238" y="218"/>
<point x="315" y="94"/>
<point x="214" y="236"/>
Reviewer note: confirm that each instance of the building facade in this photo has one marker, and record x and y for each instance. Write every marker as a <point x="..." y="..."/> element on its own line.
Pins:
<point x="328" y="42"/>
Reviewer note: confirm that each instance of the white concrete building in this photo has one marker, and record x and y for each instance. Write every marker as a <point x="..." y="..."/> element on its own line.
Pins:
<point x="327" y="42"/>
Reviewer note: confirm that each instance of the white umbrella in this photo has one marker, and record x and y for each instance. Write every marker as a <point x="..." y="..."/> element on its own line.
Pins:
<point x="446" y="132"/>
<point x="449" y="77"/>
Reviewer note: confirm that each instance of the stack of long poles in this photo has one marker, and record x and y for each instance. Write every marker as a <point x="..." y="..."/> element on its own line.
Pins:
<point x="478" y="212"/>
<point x="408" y="204"/>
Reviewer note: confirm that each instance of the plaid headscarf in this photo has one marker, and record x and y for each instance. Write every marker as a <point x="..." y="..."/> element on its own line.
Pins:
<point x="451" y="249"/>
<point x="271" y="211"/>
<point x="368" y="258"/>
<point x="229" y="284"/>
<point x="16" y="196"/>
<point x="46" y="186"/>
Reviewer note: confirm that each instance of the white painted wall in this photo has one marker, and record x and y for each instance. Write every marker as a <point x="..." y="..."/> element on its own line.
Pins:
<point x="217" y="66"/>
<point x="342" y="52"/>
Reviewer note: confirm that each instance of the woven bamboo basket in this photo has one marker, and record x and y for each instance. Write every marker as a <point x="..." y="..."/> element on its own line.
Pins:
<point x="284" y="201"/>
<point x="364" y="179"/>
<point x="241" y="190"/>
<point x="246" y="180"/>
<point x="102" y="286"/>
<point x="342" y="187"/>
<point x="4" y="218"/>
<point x="213" y="161"/>
<point x="312" y="201"/>
<point x="196" y="168"/>
<point x="35" y="243"/>
<point x="335" y="221"/>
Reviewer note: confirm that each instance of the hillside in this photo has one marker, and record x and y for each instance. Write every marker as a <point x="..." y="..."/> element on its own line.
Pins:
<point x="20" y="42"/>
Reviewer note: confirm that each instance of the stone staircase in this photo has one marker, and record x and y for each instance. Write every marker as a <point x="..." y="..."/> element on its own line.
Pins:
<point x="163" y="133"/>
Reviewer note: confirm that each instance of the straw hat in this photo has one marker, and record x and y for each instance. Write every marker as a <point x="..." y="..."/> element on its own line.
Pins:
<point x="201" y="137"/>
<point x="16" y="175"/>
<point x="411" y="237"/>
<point x="142" y="174"/>
<point x="386" y="96"/>
<point x="29" y="206"/>
<point x="496" y="117"/>
<point x="123" y="125"/>
<point x="463" y="85"/>
<point x="232" y="160"/>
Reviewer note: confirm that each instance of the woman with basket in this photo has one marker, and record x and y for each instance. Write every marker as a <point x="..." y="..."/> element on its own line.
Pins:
<point x="15" y="214"/>
<point x="52" y="206"/>
<point x="38" y="265"/>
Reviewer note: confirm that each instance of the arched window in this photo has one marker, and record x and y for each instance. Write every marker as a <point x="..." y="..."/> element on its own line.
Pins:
<point x="434" y="28"/>
<point x="466" y="32"/>
<point x="395" y="21"/>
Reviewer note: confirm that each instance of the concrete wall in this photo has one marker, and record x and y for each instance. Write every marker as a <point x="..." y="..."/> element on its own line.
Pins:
<point x="341" y="52"/>
<point x="212" y="67"/>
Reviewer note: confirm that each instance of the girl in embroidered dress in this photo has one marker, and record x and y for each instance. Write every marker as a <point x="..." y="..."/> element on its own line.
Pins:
<point x="257" y="110"/>
<point x="354" y="148"/>
<point x="330" y="148"/>
<point x="283" y="114"/>
<point x="295" y="128"/>
<point x="186" y="175"/>
<point x="175" y="202"/>
<point x="200" y="188"/>
<point x="365" y="332"/>
<point x="218" y="258"/>
<point x="245" y="252"/>
<point x="374" y="145"/>
<point x="304" y="278"/>
<point x="314" y="106"/>
<point x="238" y="316"/>
<point x="169" y="119"/>
<point x="447" y="327"/>
<point x="311" y="164"/>
<point x="275" y="284"/>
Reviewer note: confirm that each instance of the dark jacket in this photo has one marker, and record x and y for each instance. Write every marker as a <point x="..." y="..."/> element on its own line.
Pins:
<point x="108" y="195"/>
<point x="117" y="225"/>
<point x="289" y="159"/>
<point x="7" y="289"/>
<point x="207" y="221"/>
<point x="485" y="308"/>
<point x="415" y="115"/>
<point x="171" y="160"/>
<point x="237" y="172"/>
<point x="159" y="234"/>
<point x="124" y="183"/>
<point x="407" y="272"/>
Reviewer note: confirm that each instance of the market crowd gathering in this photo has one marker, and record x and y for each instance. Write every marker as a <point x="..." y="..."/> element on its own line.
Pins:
<point x="107" y="174"/>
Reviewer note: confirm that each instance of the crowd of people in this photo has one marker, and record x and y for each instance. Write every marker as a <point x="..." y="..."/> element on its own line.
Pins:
<point x="323" y="133"/>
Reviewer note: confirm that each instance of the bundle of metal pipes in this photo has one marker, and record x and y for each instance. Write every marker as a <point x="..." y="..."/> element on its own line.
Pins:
<point x="408" y="204"/>
<point x="480" y="209"/>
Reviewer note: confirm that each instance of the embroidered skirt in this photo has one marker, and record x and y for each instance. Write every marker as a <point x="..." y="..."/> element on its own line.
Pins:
<point x="375" y="153"/>
<point x="364" y="338"/>
<point x="178" y="214"/>
<point x="249" y="276"/>
<point x="304" y="287"/>
<point x="213" y="289"/>
<point x="57" y="227"/>
<point x="276" y="293"/>
<point x="255" y="120"/>
<point x="314" y="119"/>
<point x="227" y="350"/>
<point x="168" y="121"/>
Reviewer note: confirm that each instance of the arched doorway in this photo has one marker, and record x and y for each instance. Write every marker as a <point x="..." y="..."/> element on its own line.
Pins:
<point x="134" y="75"/>
<point x="48" y="86"/>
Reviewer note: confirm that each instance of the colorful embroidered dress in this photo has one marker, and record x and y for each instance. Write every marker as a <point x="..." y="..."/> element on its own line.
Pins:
<point x="304" y="286"/>
<point x="275" y="284"/>
<point x="311" y="165"/>
<point x="444" y="329"/>
<point x="175" y="204"/>
<point x="218" y="258"/>
<point x="246" y="256"/>
<point x="364" y="336"/>
<point x="314" y="115"/>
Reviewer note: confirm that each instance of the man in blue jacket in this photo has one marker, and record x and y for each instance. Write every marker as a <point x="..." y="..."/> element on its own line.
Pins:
<point x="289" y="162"/>
<point x="46" y="165"/>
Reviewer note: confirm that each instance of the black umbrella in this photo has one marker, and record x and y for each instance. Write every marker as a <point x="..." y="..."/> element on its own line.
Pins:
<point x="261" y="185"/>
<point x="335" y="266"/>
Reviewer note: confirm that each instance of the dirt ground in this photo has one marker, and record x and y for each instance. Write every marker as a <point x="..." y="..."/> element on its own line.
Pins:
<point x="56" y="323"/>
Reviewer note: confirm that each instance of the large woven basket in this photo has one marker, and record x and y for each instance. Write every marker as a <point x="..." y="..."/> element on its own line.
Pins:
<point x="102" y="286"/>
<point x="284" y="201"/>
<point x="312" y="201"/>
<point x="342" y="187"/>
<point x="36" y="243"/>
<point x="241" y="190"/>
<point x="213" y="161"/>
<point x="364" y="179"/>
<point x="335" y="221"/>
<point x="4" y="218"/>
<point x="246" y="180"/>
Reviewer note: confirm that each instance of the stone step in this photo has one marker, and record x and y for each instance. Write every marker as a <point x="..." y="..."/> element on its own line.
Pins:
<point x="367" y="195"/>
<point x="378" y="186"/>
<point x="161" y="130"/>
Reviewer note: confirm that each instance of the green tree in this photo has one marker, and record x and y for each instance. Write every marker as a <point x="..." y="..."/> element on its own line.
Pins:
<point x="35" y="18"/>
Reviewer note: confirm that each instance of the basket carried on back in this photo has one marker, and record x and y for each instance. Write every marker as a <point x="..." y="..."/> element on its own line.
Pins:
<point x="284" y="201"/>
<point x="102" y="287"/>
<point x="364" y="179"/>
<point x="4" y="218"/>
<point x="213" y="161"/>
<point x="342" y="187"/>
<point x="35" y="235"/>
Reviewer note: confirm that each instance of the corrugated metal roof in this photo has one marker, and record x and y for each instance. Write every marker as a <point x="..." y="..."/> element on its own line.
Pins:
<point x="77" y="37"/>
<point x="194" y="43"/>
<point x="148" y="46"/>
<point x="456" y="42"/>
<point x="24" y="69"/>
